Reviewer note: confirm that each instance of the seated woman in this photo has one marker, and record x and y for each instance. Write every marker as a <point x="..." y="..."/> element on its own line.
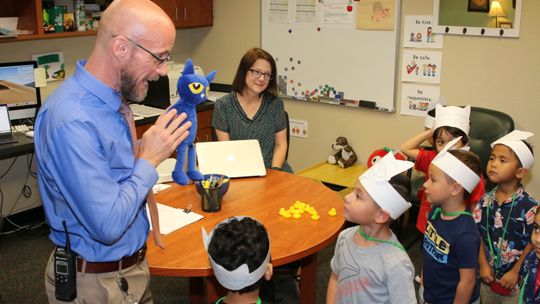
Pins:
<point x="253" y="110"/>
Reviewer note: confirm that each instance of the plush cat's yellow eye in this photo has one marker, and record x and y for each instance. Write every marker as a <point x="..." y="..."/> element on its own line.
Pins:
<point x="196" y="87"/>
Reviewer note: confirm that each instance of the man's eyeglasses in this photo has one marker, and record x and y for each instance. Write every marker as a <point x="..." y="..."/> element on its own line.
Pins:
<point x="257" y="74"/>
<point x="161" y="60"/>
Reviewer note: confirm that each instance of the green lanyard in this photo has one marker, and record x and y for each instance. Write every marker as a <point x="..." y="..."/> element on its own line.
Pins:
<point x="497" y="259"/>
<point x="369" y="238"/>
<point x="522" y="291"/>
<point x="222" y="299"/>
<point x="455" y="213"/>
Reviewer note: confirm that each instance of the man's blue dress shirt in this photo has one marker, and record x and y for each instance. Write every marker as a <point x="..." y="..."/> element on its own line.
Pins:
<point x="87" y="172"/>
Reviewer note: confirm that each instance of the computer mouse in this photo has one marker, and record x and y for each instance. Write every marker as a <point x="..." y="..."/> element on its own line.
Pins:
<point x="29" y="133"/>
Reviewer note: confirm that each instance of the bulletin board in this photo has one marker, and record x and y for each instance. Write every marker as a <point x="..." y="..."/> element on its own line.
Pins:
<point x="336" y="51"/>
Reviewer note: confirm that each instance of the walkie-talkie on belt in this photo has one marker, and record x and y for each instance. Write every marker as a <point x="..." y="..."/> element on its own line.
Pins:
<point x="65" y="271"/>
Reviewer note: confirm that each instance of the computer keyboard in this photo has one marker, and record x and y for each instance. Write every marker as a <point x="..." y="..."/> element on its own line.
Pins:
<point x="140" y="110"/>
<point x="21" y="128"/>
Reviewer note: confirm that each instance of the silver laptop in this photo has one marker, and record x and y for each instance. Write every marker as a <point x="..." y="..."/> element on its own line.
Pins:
<point x="6" y="137"/>
<point x="234" y="158"/>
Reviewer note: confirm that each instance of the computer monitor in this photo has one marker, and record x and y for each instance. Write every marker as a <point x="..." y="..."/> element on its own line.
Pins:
<point x="18" y="89"/>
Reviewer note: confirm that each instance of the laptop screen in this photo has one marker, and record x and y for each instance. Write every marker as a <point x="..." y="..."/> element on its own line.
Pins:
<point x="158" y="93"/>
<point x="5" y="124"/>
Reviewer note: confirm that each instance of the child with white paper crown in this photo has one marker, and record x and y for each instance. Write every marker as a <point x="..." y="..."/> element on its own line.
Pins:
<point x="369" y="264"/>
<point x="529" y="274"/>
<point x="505" y="218"/>
<point x="239" y="252"/>
<point x="450" y="122"/>
<point x="451" y="239"/>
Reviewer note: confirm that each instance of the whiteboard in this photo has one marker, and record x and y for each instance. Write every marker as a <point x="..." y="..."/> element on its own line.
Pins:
<point x="320" y="59"/>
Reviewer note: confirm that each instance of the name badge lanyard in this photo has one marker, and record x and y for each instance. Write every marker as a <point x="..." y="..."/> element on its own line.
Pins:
<point x="497" y="259"/>
<point x="454" y="213"/>
<point x="369" y="238"/>
<point x="222" y="300"/>
<point x="522" y="291"/>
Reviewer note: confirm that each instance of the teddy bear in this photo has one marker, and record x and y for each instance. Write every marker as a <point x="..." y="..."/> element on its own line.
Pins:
<point x="193" y="90"/>
<point x="344" y="156"/>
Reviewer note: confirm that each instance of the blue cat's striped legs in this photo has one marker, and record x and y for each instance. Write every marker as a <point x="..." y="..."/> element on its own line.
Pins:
<point x="192" y="172"/>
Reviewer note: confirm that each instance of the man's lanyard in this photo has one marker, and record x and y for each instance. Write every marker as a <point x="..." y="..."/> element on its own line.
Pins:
<point x="369" y="238"/>
<point x="454" y="213"/>
<point x="497" y="259"/>
<point x="223" y="299"/>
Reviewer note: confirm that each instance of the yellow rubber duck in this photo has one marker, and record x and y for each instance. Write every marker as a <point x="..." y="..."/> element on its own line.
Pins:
<point x="332" y="212"/>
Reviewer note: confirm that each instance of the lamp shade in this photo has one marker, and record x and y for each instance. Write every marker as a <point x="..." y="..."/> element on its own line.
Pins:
<point x="496" y="10"/>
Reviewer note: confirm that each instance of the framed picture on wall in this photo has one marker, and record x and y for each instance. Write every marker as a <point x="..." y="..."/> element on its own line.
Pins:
<point x="478" y="6"/>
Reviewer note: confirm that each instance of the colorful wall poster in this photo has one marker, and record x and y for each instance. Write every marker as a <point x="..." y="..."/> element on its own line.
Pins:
<point x="416" y="99"/>
<point x="421" y="66"/>
<point x="53" y="63"/>
<point x="375" y="15"/>
<point x="417" y="33"/>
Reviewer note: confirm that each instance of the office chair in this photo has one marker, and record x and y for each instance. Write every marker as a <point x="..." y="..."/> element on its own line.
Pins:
<point x="486" y="127"/>
<point x="288" y="135"/>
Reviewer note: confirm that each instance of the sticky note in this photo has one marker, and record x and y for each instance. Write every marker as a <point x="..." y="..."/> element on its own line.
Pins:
<point x="40" y="77"/>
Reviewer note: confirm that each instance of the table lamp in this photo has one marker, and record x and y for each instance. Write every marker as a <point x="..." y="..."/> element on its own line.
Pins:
<point x="496" y="11"/>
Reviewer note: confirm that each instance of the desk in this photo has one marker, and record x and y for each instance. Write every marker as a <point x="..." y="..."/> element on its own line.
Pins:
<point x="24" y="145"/>
<point x="261" y="198"/>
<point x="334" y="174"/>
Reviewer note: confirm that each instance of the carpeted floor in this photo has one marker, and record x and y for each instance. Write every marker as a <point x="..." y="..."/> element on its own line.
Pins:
<point x="23" y="256"/>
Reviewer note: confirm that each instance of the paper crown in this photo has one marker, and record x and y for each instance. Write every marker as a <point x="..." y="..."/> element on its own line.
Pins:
<point x="240" y="277"/>
<point x="452" y="116"/>
<point x="514" y="140"/>
<point x="376" y="182"/>
<point x="428" y="121"/>
<point x="454" y="168"/>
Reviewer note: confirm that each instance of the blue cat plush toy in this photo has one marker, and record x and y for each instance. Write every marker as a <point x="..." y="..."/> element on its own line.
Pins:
<point x="193" y="90"/>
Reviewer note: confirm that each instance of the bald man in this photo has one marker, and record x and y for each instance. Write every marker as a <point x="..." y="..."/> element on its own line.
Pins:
<point x="88" y="171"/>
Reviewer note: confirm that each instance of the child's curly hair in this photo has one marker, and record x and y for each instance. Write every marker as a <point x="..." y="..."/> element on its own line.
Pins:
<point x="240" y="242"/>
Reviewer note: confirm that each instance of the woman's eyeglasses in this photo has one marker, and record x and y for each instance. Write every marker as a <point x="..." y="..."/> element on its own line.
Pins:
<point x="257" y="74"/>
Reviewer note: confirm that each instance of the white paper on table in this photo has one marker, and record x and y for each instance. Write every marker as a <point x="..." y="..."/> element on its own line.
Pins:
<point x="171" y="219"/>
<point x="159" y="187"/>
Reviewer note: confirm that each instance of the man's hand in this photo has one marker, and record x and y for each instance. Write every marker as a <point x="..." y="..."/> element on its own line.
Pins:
<point x="161" y="140"/>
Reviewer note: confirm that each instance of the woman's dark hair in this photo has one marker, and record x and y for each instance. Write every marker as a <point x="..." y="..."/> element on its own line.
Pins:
<point x="470" y="160"/>
<point x="240" y="242"/>
<point x="455" y="132"/>
<point x="247" y="61"/>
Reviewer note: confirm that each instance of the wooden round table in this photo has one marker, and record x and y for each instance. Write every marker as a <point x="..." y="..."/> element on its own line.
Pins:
<point x="261" y="198"/>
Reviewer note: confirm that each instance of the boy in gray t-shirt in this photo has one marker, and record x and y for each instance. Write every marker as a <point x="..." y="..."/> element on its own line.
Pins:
<point x="369" y="264"/>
